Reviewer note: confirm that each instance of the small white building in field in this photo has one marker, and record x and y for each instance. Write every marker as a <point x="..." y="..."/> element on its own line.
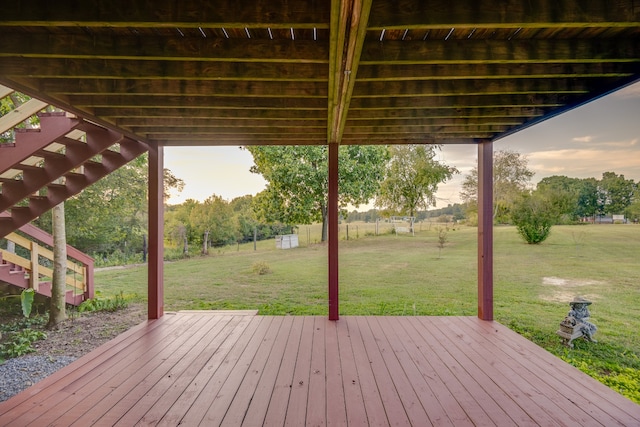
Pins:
<point x="287" y="241"/>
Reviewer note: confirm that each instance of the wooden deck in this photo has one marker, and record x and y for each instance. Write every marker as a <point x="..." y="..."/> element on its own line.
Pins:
<point x="209" y="369"/>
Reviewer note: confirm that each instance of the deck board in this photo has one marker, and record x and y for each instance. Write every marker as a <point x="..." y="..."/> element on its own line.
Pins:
<point x="235" y="368"/>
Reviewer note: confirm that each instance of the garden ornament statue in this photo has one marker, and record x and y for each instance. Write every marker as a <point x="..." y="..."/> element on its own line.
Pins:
<point x="576" y="324"/>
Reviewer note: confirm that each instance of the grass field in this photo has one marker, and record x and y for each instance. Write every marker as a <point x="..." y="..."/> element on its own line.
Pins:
<point x="410" y="275"/>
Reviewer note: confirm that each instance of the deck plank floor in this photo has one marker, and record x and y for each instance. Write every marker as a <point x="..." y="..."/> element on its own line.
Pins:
<point x="233" y="369"/>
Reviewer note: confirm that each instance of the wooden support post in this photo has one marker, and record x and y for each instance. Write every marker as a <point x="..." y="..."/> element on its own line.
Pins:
<point x="332" y="207"/>
<point x="485" y="230"/>
<point x="156" y="233"/>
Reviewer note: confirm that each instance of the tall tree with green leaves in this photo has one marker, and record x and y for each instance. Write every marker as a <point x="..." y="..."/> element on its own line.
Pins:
<point x="297" y="180"/>
<point x="213" y="221"/>
<point x="412" y="178"/>
<point x="616" y="193"/>
<point x="511" y="177"/>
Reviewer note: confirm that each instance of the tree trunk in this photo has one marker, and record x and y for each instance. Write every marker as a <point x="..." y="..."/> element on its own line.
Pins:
<point x="205" y="243"/>
<point x="57" y="311"/>
<point x="325" y="225"/>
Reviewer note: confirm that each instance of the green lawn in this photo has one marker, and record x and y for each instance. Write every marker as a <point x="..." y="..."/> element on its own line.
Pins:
<point x="405" y="275"/>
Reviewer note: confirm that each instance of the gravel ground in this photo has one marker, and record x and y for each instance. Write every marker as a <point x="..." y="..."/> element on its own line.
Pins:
<point x="72" y="339"/>
<point x="22" y="372"/>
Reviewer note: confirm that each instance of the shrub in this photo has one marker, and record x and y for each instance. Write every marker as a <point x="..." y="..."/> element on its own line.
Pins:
<point x="108" y="304"/>
<point x="261" y="268"/>
<point x="19" y="343"/>
<point x="533" y="218"/>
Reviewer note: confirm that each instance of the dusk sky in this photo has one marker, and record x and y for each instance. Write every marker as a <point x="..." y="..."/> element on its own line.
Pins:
<point x="602" y="136"/>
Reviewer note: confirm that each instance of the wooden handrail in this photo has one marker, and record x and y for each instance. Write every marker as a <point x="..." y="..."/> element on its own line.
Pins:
<point x="81" y="264"/>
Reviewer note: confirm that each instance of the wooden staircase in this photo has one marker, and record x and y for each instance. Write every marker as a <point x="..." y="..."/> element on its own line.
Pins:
<point x="46" y="166"/>
<point x="40" y="169"/>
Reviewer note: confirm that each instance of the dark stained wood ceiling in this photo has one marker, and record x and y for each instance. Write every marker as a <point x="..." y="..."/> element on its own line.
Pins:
<point x="240" y="72"/>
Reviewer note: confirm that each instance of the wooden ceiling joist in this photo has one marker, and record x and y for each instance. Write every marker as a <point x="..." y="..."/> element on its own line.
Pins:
<point x="356" y="71"/>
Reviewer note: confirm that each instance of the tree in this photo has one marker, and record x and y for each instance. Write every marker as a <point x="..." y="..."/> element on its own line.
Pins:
<point x="412" y="178"/>
<point x="616" y="193"/>
<point x="57" y="309"/>
<point x="297" y="180"/>
<point x="511" y="178"/>
<point x="533" y="216"/>
<point x="212" y="220"/>
<point x="562" y="193"/>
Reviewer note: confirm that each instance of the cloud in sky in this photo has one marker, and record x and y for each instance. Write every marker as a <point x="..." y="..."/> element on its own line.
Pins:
<point x="587" y="138"/>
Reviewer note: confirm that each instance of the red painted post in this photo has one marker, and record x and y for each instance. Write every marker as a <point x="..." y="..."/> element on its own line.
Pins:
<point x="485" y="230"/>
<point x="332" y="208"/>
<point x="156" y="233"/>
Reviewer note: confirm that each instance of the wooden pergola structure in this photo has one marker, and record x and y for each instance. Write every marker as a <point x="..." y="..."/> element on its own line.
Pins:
<point x="168" y="73"/>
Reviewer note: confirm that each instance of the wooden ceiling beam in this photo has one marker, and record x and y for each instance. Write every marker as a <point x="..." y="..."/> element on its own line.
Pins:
<point x="348" y="33"/>
<point x="459" y="101"/>
<point x="161" y="101"/>
<point x="205" y="122"/>
<point x="238" y="139"/>
<point x="220" y="142"/>
<point x="481" y="51"/>
<point x="353" y="125"/>
<point x="467" y="112"/>
<point x="184" y="87"/>
<point x="213" y="113"/>
<point x="467" y="87"/>
<point x="169" y="14"/>
<point x="409" y="130"/>
<point x="411" y="14"/>
<point x="182" y="70"/>
<point x="80" y="46"/>
<point x="222" y="130"/>
<point x="495" y="71"/>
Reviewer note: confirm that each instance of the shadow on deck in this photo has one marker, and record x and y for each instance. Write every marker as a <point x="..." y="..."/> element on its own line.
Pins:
<point x="199" y="368"/>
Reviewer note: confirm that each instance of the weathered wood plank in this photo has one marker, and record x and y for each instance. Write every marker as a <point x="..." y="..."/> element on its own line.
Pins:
<point x="263" y="389"/>
<point x="481" y="51"/>
<point x="215" y="368"/>
<point x="297" y="409"/>
<point x="149" y="409"/>
<point x="599" y="401"/>
<point x="487" y="391"/>
<point x="412" y="404"/>
<point x="121" y="47"/>
<point x="457" y="380"/>
<point x="249" y="364"/>
<point x="41" y="391"/>
<point x="335" y="377"/>
<point x="137" y="69"/>
<point x="205" y="101"/>
<point x="390" y="395"/>
<point x="70" y="390"/>
<point x="174" y="87"/>
<point x="413" y="343"/>
<point x="165" y="14"/>
<point x="356" y="413"/>
<point x="193" y="384"/>
<point x="218" y="375"/>
<point x="505" y="14"/>
<point x="402" y="72"/>
<point x="121" y="391"/>
<point x="277" y="410"/>
<point x="371" y="398"/>
<point x="316" y="412"/>
<point x="514" y="369"/>
<point x="512" y="386"/>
